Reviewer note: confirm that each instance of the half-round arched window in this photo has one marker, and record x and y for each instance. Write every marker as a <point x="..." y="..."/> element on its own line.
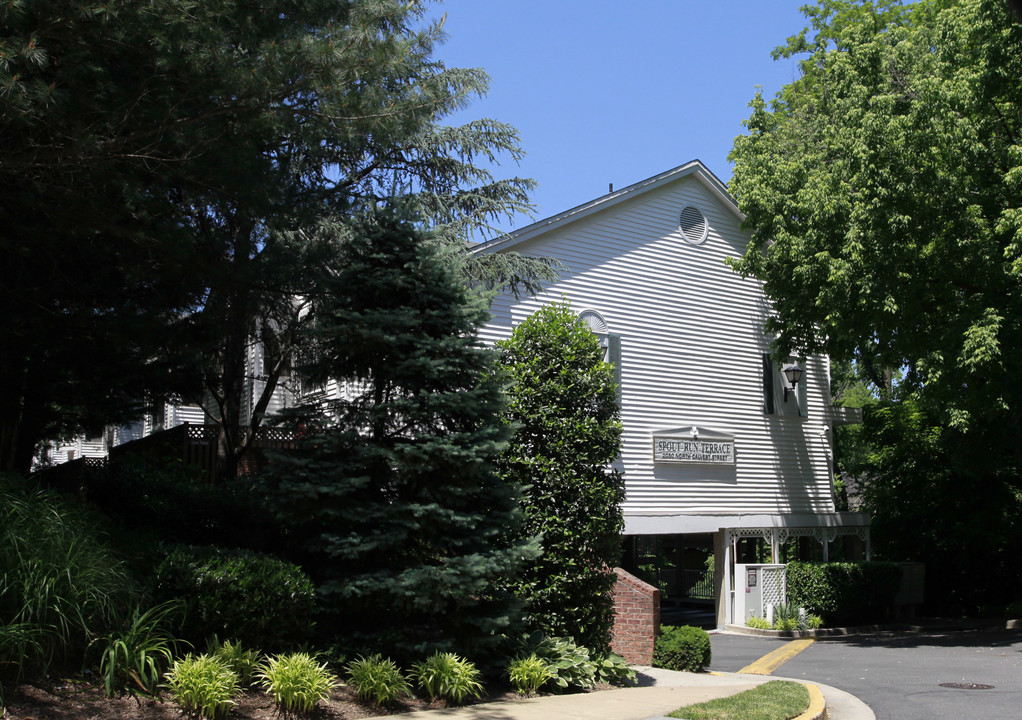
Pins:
<point x="598" y="325"/>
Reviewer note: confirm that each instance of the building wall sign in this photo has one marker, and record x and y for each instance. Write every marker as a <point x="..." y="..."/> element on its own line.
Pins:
<point x="693" y="444"/>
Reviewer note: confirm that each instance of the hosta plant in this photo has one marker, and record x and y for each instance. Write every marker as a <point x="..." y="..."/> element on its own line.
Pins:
<point x="445" y="676"/>
<point x="203" y="685"/>
<point x="569" y="663"/>
<point x="376" y="679"/>
<point x="613" y="670"/>
<point x="528" y="674"/>
<point x="297" y="682"/>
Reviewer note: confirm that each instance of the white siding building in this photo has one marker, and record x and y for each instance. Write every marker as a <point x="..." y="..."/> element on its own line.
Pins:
<point x="716" y="442"/>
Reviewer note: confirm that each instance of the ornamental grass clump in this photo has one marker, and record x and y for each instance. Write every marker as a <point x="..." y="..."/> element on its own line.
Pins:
<point x="297" y="682"/>
<point x="789" y="617"/>
<point x="447" y="677"/>
<point x="244" y="661"/>
<point x="204" y="686"/>
<point x="376" y="679"/>
<point x="528" y="674"/>
<point x="134" y="658"/>
<point x="61" y="585"/>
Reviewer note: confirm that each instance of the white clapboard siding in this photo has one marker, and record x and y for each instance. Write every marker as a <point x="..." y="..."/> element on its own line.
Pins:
<point x="692" y="345"/>
<point x="181" y="414"/>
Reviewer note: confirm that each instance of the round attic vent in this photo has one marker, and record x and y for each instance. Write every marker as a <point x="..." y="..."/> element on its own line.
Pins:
<point x="693" y="225"/>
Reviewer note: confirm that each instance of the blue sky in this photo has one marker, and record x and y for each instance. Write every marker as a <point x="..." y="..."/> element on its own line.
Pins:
<point x="615" y="92"/>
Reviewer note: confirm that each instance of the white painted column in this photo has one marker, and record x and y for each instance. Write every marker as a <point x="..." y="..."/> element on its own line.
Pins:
<point x="729" y="588"/>
<point x="722" y="577"/>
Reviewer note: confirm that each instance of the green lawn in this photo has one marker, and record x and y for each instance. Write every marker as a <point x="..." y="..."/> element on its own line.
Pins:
<point x="775" y="700"/>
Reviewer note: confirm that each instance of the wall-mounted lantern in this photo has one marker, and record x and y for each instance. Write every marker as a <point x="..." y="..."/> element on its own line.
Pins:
<point x="793" y="373"/>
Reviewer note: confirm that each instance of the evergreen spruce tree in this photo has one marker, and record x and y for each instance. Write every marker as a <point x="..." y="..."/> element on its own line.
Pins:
<point x="405" y="525"/>
<point x="562" y="402"/>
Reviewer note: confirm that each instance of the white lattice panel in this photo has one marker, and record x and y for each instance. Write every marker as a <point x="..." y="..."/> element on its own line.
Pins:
<point x="773" y="586"/>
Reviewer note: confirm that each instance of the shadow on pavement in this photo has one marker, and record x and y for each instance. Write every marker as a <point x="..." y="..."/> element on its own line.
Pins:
<point x="985" y="637"/>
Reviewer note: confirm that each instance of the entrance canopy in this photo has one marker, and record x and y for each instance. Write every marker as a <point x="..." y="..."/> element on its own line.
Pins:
<point x="728" y="530"/>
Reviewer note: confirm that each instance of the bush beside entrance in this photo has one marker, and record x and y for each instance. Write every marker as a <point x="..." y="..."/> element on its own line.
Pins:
<point x="843" y="593"/>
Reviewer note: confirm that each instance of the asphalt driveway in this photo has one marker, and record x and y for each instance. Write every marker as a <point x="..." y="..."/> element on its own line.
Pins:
<point x="903" y="675"/>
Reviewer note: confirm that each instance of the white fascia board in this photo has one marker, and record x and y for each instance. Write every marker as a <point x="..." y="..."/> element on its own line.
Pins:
<point x="685" y="523"/>
<point x="695" y="167"/>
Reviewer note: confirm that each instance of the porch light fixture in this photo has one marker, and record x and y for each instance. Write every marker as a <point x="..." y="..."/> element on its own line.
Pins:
<point x="793" y="373"/>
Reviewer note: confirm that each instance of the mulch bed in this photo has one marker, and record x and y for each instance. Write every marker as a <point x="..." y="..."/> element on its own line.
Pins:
<point x="80" y="700"/>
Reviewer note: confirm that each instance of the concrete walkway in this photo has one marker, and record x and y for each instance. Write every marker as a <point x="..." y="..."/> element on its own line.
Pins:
<point x="659" y="692"/>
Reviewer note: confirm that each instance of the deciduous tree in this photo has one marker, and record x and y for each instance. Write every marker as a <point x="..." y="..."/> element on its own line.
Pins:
<point x="882" y="191"/>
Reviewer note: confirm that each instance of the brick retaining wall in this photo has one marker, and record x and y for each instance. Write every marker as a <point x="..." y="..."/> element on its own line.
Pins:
<point x="636" y="618"/>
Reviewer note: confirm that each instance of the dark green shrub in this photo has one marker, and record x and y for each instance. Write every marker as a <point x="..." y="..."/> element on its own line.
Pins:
<point x="174" y="503"/>
<point x="844" y="592"/>
<point x="562" y="404"/>
<point x="259" y="600"/>
<point x="682" y="648"/>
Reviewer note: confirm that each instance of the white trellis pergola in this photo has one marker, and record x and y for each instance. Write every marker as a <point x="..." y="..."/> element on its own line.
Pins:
<point x="775" y="537"/>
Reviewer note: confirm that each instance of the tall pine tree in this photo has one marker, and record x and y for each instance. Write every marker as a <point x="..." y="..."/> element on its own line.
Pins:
<point x="403" y="521"/>
<point x="161" y="166"/>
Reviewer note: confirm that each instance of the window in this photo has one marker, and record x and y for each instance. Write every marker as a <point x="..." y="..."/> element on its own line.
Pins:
<point x="610" y="343"/>
<point x="598" y="326"/>
<point x="778" y="396"/>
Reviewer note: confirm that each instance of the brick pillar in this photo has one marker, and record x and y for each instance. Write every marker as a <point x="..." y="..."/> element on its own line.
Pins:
<point x="636" y="618"/>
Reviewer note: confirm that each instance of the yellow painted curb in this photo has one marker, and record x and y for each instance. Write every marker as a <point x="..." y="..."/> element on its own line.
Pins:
<point x="817" y="709"/>
<point x="773" y="660"/>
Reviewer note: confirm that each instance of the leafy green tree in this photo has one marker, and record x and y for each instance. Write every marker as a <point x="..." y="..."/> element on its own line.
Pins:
<point x="881" y="189"/>
<point x="164" y="165"/>
<point x="564" y="411"/>
<point x="932" y="501"/>
<point x="392" y="494"/>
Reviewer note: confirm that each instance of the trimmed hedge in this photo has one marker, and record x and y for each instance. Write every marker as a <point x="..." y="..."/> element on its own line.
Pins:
<point x="682" y="648"/>
<point x="246" y="596"/>
<point x="844" y="592"/>
<point x="175" y="504"/>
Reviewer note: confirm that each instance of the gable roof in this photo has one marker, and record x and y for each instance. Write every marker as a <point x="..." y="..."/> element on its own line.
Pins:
<point x="695" y="168"/>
